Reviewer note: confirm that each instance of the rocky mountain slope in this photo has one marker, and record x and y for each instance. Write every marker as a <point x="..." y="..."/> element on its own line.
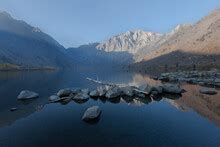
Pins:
<point x="196" y="45"/>
<point x="28" y="47"/>
<point x="130" y="41"/>
<point x="165" y="39"/>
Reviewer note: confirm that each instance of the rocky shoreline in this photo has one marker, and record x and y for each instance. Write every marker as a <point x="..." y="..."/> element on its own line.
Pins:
<point x="112" y="92"/>
<point x="203" y="78"/>
<point x="106" y="91"/>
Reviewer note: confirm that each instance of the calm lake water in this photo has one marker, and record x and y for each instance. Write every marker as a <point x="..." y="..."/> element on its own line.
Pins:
<point x="191" y="120"/>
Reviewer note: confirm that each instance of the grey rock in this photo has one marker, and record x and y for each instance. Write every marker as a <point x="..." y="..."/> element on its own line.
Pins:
<point x="13" y="109"/>
<point x="103" y="89"/>
<point x="64" y="92"/>
<point x="94" y="93"/>
<point x="172" y="88"/>
<point x="154" y="92"/>
<point x="75" y="90"/>
<point x="201" y="83"/>
<point x="158" y="88"/>
<point x="85" y="91"/>
<point x="163" y="78"/>
<point x="65" y="100"/>
<point x="61" y="99"/>
<point x="26" y="94"/>
<point x="217" y="80"/>
<point x="91" y="113"/>
<point x="148" y="89"/>
<point x="208" y="91"/>
<point x="54" y="98"/>
<point x="81" y="97"/>
<point x="128" y="91"/>
<point x="217" y="84"/>
<point x="139" y="94"/>
<point x="113" y="93"/>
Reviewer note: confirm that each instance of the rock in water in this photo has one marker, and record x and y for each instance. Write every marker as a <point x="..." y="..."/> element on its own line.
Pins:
<point x="13" y="109"/>
<point x="26" y="94"/>
<point x="208" y="91"/>
<point x="103" y="89"/>
<point x="92" y="113"/>
<point x="172" y="88"/>
<point x="81" y="97"/>
<point x="113" y="93"/>
<point x="94" y="93"/>
<point x="217" y="80"/>
<point x="54" y="98"/>
<point x="128" y="90"/>
<point x="64" y="92"/>
<point x="86" y="91"/>
<point x="75" y="90"/>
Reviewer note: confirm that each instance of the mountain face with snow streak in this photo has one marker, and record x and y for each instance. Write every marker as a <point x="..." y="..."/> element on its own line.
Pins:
<point x="130" y="41"/>
<point x="140" y="43"/>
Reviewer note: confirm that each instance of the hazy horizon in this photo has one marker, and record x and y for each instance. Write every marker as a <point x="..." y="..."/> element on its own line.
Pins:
<point x="74" y="23"/>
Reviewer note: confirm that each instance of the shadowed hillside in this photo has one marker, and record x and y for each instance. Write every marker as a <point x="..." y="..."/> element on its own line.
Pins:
<point x="178" y="60"/>
<point x="88" y="56"/>
<point x="28" y="47"/>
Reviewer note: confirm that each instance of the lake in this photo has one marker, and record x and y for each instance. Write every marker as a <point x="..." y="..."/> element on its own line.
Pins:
<point x="190" y="120"/>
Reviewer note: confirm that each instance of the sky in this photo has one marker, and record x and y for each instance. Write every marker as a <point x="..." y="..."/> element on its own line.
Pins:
<point x="76" y="22"/>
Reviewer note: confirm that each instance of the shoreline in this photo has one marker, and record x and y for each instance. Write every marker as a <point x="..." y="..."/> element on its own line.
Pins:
<point x="29" y="69"/>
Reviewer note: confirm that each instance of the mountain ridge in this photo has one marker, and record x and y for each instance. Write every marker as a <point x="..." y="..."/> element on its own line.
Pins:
<point x="129" y="41"/>
<point x="197" y="45"/>
<point x="28" y="47"/>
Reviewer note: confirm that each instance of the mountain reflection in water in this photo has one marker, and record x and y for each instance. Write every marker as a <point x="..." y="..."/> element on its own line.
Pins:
<point x="159" y="113"/>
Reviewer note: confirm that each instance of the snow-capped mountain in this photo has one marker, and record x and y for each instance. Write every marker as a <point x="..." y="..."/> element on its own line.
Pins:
<point x="130" y="41"/>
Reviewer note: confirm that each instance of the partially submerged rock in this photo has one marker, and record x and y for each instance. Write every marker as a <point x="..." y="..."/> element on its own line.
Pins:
<point x="172" y="88"/>
<point x="75" y="90"/>
<point x="154" y="89"/>
<point x="26" y="94"/>
<point x="128" y="91"/>
<point x="62" y="99"/>
<point x="81" y="97"/>
<point x="217" y="80"/>
<point x="113" y="92"/>
<point x="13" y="109"/>
<point x="208" y="91"/>
<point x="92" y="113"/>
<point x="94" y="93"/>
<point x="205" y="78"/>
<point x="65" y="100"/>
<point x="139" y="94"/>
<point x="54" y="98"/>
<point x="103" y="89"/>
<point x="85" y="91"/>
<point x="64" y="92"/>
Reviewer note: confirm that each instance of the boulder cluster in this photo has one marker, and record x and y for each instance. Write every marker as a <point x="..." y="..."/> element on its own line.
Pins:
<point x="203" y="78"/>
<point x="110" y="92"/>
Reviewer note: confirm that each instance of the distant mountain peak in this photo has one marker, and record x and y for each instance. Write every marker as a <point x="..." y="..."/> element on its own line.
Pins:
<point x="130" y="41"/>
<point x="5" y="14"/>
<point x="180" y="27"/>
<point x="36" y="30"/>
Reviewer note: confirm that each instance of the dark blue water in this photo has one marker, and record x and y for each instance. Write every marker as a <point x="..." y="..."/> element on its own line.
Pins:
<point x="192" y="120"/>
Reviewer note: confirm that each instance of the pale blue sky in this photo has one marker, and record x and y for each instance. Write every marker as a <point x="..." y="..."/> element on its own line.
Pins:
<point x="76" y="22"/>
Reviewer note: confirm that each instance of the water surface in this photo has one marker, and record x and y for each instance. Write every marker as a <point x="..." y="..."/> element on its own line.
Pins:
<point x="193" y="119"/>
